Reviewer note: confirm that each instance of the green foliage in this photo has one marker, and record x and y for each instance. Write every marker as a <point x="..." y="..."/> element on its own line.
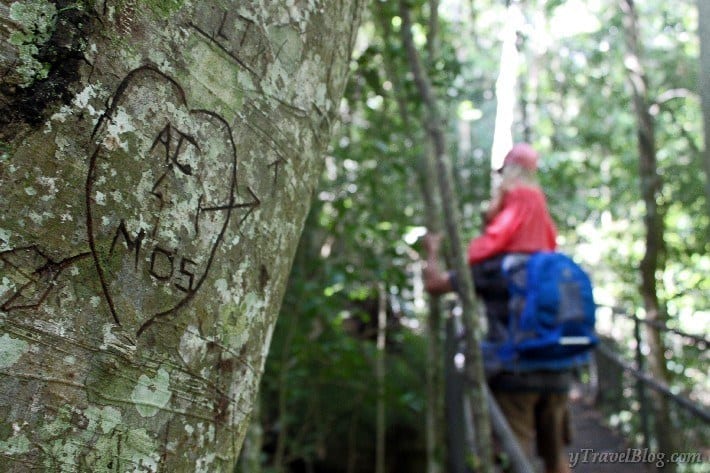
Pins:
<point x="362" y="227"/>
<point x="329" y="387"/>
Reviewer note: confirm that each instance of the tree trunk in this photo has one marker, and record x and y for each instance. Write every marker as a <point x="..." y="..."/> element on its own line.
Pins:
<point x="704" y="76"/>
<point x="250" y="457"/>
<point x="432" y="39"/>
<point x="471" y="310"/>
<point x="156" y="165"/>
<point x="434" y="436"/>
<point x="282" y="406"/>
<point x="380" y="374"/>
<point x="434" y="407"/>
<point x="653" y="220"/>
<point x="434" y="426"/>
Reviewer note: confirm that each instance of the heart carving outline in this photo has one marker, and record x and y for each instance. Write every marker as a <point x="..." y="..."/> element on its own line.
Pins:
<point x="212" y="209"/>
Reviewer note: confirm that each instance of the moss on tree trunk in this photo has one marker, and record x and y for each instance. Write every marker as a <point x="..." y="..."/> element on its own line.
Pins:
<point x="157" y="164"/>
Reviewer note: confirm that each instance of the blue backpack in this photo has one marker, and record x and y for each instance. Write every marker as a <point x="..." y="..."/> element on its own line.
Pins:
<point x="552" y="316"/>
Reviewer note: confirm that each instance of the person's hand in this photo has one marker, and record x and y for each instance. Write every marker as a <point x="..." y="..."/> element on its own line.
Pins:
<point x="432" y="243"/>
<point x="436" y="281"/>
<point x="494" y="206"/>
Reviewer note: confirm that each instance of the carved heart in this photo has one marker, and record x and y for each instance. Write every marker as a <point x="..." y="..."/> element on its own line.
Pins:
<point x="159" y="196"/>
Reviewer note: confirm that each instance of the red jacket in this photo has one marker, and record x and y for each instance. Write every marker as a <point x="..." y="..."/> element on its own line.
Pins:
<point x="523" y="225"/>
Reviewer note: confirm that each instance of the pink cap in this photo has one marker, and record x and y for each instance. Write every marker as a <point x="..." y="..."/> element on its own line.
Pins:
<point x="523" y="155"/>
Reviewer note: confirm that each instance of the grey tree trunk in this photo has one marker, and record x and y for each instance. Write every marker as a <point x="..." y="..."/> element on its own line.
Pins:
<point x="471" y="309"/>
<point x="380" y="377"/>
<point x="250" y="456"/>
<point x="704" y="85"/>
<point x="157" y="160"/>
<point x="652" y="262"/>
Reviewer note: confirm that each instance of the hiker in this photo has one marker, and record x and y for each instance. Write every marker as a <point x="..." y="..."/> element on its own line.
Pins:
<point x="517" y="223"/>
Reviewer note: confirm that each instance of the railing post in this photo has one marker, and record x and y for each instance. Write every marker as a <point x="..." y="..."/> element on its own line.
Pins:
<point x="454" y="399"/>
<point x="643" y="405"/>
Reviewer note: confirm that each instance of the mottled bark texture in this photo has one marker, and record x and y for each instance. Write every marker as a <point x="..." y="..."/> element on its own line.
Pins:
<point x="653" y="260"/>
<point x="704" y="86"/>
<point x="470" y="306"/>
<point x="157" y="160"/>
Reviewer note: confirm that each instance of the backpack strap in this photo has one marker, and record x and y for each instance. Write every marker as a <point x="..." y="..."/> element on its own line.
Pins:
<point x="514" y="267"/>
<point x="511" y="264"/>
<point x="534" y="267"/>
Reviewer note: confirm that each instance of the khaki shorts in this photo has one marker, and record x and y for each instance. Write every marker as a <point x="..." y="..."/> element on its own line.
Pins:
<point x="538" y="419"/>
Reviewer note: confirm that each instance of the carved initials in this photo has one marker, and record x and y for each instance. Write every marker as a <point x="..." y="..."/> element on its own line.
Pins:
<point x="131" y="244"/>
<point x="172" y="151"/>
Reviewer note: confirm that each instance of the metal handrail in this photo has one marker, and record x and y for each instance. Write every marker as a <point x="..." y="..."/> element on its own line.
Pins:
<point x="519" y="462"/>
<point x="698" y="339"/>
<point x="700" y="411"/>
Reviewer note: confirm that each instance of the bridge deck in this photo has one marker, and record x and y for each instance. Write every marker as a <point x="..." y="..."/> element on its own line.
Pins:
<point x="590" y="436"/>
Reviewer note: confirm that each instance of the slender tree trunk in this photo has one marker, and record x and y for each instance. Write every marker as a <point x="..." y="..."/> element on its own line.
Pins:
<point x="434" y="368"/>
<point x="352" y="443"/>
<point x="474" y="18"/>
<point x="471" y="310"/>
<point x="653" y="220"/>
<point x="433" y="34"/>
<point x="434" y="436"/>
<point x="434" y="378"/>
<point x="156" y="165"/>
<point x="380" y="374"/>
<point x="280" y="454"/>
<point x="457" y="444"/>
<point x="704" y="84"/>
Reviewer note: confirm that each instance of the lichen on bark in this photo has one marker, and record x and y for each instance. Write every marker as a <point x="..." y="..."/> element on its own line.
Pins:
<point x="39" y="58"/>
<point x="154" y="197"/>
<point x="37" y="20"/>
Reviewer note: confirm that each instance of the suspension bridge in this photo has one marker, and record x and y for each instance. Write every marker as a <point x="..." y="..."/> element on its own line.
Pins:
<point x="614" y="407"/>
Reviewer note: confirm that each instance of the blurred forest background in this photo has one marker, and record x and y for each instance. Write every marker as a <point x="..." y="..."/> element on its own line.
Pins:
<point x="611" y="99"/>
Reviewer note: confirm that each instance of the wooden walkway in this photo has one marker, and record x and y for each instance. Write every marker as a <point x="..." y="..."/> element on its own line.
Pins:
<point x="603" y="449"/>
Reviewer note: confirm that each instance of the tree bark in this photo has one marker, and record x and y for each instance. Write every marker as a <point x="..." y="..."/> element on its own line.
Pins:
<point x="279" y="462"/>
<point x="434" y="435"/>
<point x="653" y="220"/>
<point x="704" y="76"/>
<point x="380" y="375"/>
<point x="250" y="457"/>
<point x="157" y="160"/>
<point x="471" y="310"/>
<point x="432" y="40"/>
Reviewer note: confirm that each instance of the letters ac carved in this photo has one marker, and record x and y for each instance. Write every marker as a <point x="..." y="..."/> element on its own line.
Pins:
<point x="157" y="206"/>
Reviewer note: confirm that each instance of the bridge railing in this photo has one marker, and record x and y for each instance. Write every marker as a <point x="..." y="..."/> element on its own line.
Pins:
<point x="625" y="398"/>
<point x="624" y="383"/>
<point x="461" y="435"/>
